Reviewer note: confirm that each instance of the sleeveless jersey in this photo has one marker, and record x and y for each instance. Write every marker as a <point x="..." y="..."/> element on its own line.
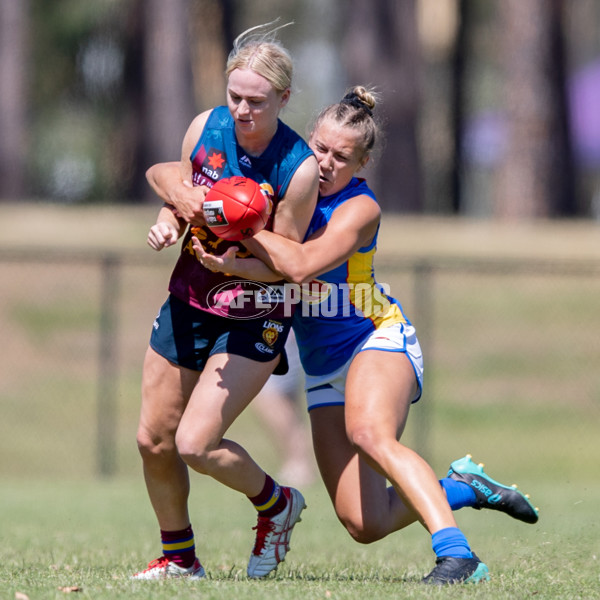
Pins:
<point x="217" y="155"/>
<point x="345" y="305"/>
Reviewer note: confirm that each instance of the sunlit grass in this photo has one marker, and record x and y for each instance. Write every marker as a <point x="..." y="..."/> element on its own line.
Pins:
<point x="511" y="377"/>
<point x="92" y="535"/>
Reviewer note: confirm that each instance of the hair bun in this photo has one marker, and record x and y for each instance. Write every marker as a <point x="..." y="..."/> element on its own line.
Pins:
<point x="360" y="98"/>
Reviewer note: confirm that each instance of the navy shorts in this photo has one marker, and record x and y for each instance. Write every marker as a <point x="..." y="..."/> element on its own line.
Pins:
<point x="188" y="336"/>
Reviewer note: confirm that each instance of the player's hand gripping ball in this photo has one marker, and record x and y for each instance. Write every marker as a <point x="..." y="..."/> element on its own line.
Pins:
<point x="236" y="208"/>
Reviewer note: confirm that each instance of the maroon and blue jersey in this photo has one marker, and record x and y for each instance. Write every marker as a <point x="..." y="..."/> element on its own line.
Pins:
<point x="218" y="155"/>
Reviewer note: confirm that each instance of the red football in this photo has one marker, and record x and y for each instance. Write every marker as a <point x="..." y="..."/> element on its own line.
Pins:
<point x="236" y="208"/>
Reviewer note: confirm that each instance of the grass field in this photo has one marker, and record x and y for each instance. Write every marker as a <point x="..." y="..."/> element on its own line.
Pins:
<point x="512" y="377"/>
<point x="92" y="535"/>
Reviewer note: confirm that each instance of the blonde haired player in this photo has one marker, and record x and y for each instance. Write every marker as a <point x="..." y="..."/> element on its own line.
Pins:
<point x="201" y="368"/>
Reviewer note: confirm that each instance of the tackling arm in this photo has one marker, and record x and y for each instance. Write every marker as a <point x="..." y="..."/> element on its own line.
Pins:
<point x="229" y="263"/>
<point x="294" y="211"/>
<point x="351" y="226"/>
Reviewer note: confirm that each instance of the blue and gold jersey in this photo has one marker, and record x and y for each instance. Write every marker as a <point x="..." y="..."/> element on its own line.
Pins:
<point x="343" y="306"/>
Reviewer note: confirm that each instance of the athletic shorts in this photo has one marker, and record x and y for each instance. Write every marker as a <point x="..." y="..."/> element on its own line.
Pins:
<point x="188" y="336"/>
<point x="329" y="389"/>
<point x="292" y="383"/>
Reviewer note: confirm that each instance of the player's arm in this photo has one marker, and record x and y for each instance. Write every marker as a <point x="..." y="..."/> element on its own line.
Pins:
<point x="351" y="226"/>
<point x="294" y="211"/>
<point x="229" y="263"/>
<point x="172" y="181"/>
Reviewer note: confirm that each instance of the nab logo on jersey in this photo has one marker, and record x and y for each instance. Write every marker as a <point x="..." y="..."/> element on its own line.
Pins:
<point x="214" y="163"/>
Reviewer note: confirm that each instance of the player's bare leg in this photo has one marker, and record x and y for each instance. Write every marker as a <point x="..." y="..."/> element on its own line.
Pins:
<point x="364" y="503"/>
<point x="280" y="412"/>
<point x="224" y="389"/>
<point x="379" y="390"/>
<point x="165" y="391"/>
<point x="226" y="386"/>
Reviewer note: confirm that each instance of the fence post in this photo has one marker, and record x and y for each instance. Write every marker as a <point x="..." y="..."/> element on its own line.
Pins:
<point x="108" y="365"/>
<point x="423" y="319"/>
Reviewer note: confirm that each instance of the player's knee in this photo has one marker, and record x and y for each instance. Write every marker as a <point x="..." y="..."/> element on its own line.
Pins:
<point x="154" y="447"/>
<point x="365" y="441"/>
<point x="193" y="452"/>
<point x="360" y="531"/>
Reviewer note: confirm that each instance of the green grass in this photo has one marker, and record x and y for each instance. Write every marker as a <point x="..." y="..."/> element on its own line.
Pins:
<point x="511" y="377"/>
<point x="93" y="535"/>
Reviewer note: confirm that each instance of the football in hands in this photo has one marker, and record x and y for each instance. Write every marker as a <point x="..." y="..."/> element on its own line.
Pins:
<point x="236" y="208"/>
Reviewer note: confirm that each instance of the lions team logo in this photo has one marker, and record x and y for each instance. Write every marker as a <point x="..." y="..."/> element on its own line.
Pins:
<point x="271" y="331"/>
<point x="270" y="335"/>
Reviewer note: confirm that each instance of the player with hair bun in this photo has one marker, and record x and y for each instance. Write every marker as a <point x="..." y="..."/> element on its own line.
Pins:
<point x="363" y="362"/>
<point x="203" y="365"/>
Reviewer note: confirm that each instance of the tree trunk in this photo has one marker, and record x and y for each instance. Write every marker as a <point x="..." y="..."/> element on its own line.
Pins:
<point x="211" y="41"/>
<point x="381" y="49"/>
<point x="459" y="98"/>
<point x="168" y="78"/>
<point x="13" y="98"/>
<point x="535" y="178"/>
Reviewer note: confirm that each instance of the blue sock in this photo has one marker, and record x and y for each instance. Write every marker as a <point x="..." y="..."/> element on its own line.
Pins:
<point x="459" y="494"/>
<point x="451" y="542"/>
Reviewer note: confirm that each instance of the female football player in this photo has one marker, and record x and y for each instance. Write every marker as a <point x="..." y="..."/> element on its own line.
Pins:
<point x="363" y="362"/>
<point x="202" y="369"/>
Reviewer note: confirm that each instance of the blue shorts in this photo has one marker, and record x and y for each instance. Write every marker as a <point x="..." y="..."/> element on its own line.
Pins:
<point x="188" y="336"/>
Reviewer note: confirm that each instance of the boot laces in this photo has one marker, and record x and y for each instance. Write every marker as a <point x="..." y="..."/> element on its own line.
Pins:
<point x="264" y="527"/>
<point x="160" y="562"/>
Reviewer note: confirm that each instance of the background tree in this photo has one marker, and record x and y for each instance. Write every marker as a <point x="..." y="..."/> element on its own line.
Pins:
<point x="94" y="92"/>
<point x="459" y="100"/>
<point x="211" y="38"/>
<point x="535" y="177"/>
<point x="168" y="99"/>
<point x="381" y="48"/>
<point x="14" y="69"/>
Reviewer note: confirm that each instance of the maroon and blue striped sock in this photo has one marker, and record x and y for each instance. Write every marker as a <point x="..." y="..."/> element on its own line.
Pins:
<point x="271" y="500"/>
<point x="179" y="547"/>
